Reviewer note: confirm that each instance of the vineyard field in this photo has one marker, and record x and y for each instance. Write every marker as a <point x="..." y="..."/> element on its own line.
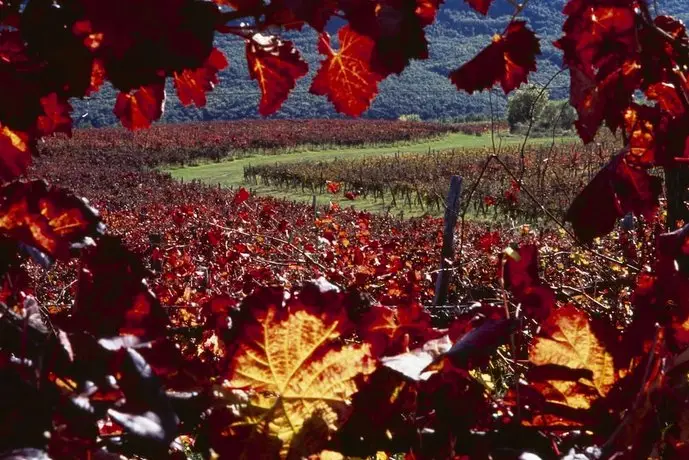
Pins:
<point x="170" y="291"/>
<point x="231" y="173"/>
<point x="209" y="249"/>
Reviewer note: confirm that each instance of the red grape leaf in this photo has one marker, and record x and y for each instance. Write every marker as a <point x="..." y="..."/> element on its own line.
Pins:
<point x="15" y="153"/>
<point x="520" y="270"/>
<point x="487" y="241"/>
<point x="644" y="127"/>
<point x="392" y="330"/>
<point x="56" y="117"/>
<point x="508" y="60"/>
<point x="113" y="297"/>
<point x="601" y="48"/>
<point x="569" y="339"/>
<point x="47" y="218"/>
<point x="520" y="274"/>
<point x="380" y="417"/>
<point x="665" y="94"/>
<point x="192" y="85"/>
<point x="141" y="43"/>
<point x="395" y="26"/>
<point x="480" y="5"/>
<point x="296" y="370"/>
<point x="240" y="197"/>
<point x="587" y="100"/>
<point x="97" y="77"/>
<point x="333" y="187"/>
<point x="616" y="190"/>
<point x="276" y="65"/>
<point x="345" y="76"/>
<point x="292" y="14"/>
<point x="139" y="109"/>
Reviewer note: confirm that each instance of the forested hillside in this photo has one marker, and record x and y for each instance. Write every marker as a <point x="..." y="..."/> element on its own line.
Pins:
<point x="422" y="89"/>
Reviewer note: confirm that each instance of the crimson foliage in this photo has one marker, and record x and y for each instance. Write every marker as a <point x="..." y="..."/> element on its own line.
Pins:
<point x="298" y="371"/>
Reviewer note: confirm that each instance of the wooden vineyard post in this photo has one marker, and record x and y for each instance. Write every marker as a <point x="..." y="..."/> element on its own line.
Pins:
<point x="448" y="252"/>
<point x="315" y="209"/>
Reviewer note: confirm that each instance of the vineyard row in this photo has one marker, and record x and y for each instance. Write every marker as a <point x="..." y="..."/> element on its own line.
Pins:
<point x="554" y="173"/>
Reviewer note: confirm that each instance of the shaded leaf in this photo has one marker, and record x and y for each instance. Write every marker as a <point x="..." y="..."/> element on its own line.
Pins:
<point x="395" y="26"/>
<point x="520" y="275"/>
<point x="616" y="190"/>
<point x="480" y="342"/>
<point x="508" y="60"/>
<point x="48" y="218"/>
<point x="113" y="297"/>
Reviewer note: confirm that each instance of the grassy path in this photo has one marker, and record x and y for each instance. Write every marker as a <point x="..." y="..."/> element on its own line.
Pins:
<point x="231" y="172"/>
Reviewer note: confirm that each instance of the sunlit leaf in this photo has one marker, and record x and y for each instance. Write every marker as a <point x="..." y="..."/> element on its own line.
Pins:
<point x="568" y="339"/>
<point x="296" y="372"/>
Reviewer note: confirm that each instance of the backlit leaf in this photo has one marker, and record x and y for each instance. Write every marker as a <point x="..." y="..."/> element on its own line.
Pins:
<point x="345" y="76"/>
<point x="47" y="218"/>
<point x="616" y="190"/>
<point x="392" y="329"/>
<point x="480" y="5"/>
<point x="276" y="65"/>
<point x="192" y="85"/>
<point x="601" y="47"/>
<point x="15" y="153"/>
<point x="296" y="372"/>
<point x="56" y="117"/>
<point x="508" y="60"/>
<point x="138" y="110"/>
<point x="568" y="339"/>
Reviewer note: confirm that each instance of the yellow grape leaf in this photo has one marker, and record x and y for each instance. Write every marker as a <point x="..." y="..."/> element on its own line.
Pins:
<point x="299" y="377"/>
<point x="568" y="340"/>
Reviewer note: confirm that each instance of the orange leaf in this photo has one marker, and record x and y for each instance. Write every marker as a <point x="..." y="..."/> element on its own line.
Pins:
<point x="15" y="153"/>
<point x="568" y="340"/>
<point x="277" y="66"/>
<point x="47" y="218"/>
<point x="345" y="76"/>
<point x="296" y="371"/>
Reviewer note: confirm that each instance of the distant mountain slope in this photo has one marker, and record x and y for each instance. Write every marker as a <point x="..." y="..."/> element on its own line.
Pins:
<point x="422" y="89"/>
